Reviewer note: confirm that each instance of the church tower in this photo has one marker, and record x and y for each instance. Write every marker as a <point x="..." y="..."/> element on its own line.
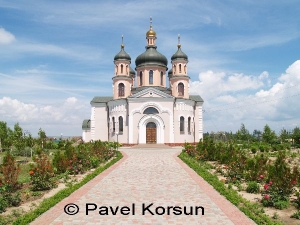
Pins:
<point x="151" y="66"/>
<point x="178" y="76"/>
<point x="124" y="76"/>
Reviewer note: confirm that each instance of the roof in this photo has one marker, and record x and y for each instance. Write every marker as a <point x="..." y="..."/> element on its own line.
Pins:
<point x="151" y="57"/>
<point x="122" y="55"/>
<point x="179" y="55"/>
<point x="102" y="99"/>
<point x="196" y="98"/>
<point x="86" y="124"/>
<point x="163" y="89"/>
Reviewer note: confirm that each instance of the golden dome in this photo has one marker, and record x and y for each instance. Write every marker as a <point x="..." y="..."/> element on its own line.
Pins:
<point x="151" y="32"/>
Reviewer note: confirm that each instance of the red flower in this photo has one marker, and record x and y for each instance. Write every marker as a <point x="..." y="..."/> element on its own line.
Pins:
<point x="266" y="186"/>
<point x="261" y="176"/>
<point x="31" y="172"/>
<point x="267" y="197"/>
<point x="270" y="183"/>
<point x="294" y="182"/>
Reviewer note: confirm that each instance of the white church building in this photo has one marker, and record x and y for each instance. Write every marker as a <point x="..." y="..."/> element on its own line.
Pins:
<point x="142" y="108"/>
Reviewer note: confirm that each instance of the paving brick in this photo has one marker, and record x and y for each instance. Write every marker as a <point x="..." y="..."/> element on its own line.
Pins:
<point x="146" y="176"/>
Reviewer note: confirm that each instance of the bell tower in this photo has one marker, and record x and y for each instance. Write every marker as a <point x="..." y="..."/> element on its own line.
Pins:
<point x="178" y="76"/>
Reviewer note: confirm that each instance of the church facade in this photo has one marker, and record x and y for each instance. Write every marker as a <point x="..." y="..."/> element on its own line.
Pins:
<point x="142" y="108"/>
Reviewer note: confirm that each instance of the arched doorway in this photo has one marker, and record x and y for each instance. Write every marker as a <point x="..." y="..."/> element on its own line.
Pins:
<point x="151" y="133"/>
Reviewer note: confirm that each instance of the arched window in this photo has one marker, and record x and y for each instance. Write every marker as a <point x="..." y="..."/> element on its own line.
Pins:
<point x="174" y="69"/>
<point x="120" y="124"/>
<point x="116" y="69"/>
<point x="150" y="110"/>
<point x="185" y="69"/>
<point x="114" y="124"/>
<point x="180" y="89"/>
<point x="181" y="124"/>
<point x="179" y="68"/>
<point x="141" y="78"/>
<point x="121" y="90"/>
<point x="189" y="124"/>
<point x="161" y="78"/>
<point x="151" y="77"/>
<point x="127" y="71"/>
<point x="121" y="68"/>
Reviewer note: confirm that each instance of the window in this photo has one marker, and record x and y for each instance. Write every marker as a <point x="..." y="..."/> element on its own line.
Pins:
<point x="185" y="69"/>
<point x="127" y="71"/>
<point x="114" y="124"/>
<point x="161" y="78"/>
<point x="120" y="124"/>
<point x="180" y="89"/>
<point x="174" y="69"/>
<point x="116" y="69"/>
<point x="151" y="77"/>
<point x="121" y="90"/>
<point x="150" y="110"/>
<point x="189" y="124"/>
<point x="121" y="68"/>
<point x="141" y="78"/>
<point x="179" y="68"/>
<point x="182" y="125"/>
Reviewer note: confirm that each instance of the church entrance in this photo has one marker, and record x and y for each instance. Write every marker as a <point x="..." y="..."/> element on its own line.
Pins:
<point x="151" y="133"/>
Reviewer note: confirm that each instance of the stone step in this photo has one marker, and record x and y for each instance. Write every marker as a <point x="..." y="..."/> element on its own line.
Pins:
<point x="151" y="146"/>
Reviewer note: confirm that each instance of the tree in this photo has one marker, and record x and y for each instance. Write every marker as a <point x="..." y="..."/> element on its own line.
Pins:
<point x="284" y="135"/>
<point x="42" y="137"/>
<point x="18" y="138"/>
<point x="268" y="135"/>
<point x="296" y="135"/>
<point x="243" y="133"/>
<point x="5" y="135"/>
<point x="257" y="134"/>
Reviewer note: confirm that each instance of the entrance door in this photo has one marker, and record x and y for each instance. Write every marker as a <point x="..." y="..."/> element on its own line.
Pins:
<point x="151" y="133"/>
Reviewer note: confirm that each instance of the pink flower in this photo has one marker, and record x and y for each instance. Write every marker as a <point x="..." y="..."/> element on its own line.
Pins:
<point x="266" y="186"/>
<point x="261" y="176"/>
<point x="270" y="183"/>
<point x="267" y="197"/>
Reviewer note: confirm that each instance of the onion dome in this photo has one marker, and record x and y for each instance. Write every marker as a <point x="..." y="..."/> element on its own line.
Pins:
<point x="151" y="57"/>
<point x="132" y="72"/>
<point x="122" y="55"/>
<point x="151" y="32"/>
<point x="179" y="54"/>
<point x="170" y="73"/>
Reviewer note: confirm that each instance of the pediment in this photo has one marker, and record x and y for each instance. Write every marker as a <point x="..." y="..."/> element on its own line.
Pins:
<point x="151" y="93"/>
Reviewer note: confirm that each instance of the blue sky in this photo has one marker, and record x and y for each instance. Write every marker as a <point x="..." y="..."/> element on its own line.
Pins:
<point x="243" y="58"/>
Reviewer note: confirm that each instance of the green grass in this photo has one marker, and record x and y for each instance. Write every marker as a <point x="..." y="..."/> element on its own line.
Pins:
<point x="253" y="210"/>
<point x="50" y="202"/>
<point x="24" y="173"/>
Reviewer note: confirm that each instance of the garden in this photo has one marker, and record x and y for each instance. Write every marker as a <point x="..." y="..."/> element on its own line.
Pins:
<point x="257" y="173"/>
<point x="31" y="168"/>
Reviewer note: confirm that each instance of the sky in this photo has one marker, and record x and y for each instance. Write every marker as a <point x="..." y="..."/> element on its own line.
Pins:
<point x="244" y="58"/>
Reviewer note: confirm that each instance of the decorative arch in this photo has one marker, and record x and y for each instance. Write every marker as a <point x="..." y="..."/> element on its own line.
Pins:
<point x="121" y="90"/>
<point x="180" y="89"/>
<point x="150" y="110"/>
<point x="159" y="125"/>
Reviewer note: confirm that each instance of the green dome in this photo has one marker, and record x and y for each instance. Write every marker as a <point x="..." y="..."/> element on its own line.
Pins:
<point x="151" y="57"/>
<point x="179" y="55"/>
<point x="122" y="55"/>
<point x="170" y="73"/>
<point x="132" y="72"/>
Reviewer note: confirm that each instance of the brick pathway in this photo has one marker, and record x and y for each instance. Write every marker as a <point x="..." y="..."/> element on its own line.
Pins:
<point x="143" y="177"/>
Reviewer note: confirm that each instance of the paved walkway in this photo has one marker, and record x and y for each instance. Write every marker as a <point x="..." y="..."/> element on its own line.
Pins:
<point x="142" y="177"/>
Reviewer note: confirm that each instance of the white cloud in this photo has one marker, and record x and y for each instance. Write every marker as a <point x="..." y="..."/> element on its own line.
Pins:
<point x="6" y="37"/>
<point x="70" y="113"/>
<point x="232" y="99"/>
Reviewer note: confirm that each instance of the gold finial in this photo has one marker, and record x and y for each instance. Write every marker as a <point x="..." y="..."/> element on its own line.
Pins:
<point x="122" y="45"/>
<point x="178" y="45"/>
<point x="151" y="32"/>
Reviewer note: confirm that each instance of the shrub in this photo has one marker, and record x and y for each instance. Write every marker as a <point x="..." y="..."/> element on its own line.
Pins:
<point x="10" y="171"/>
<point x="296" y="215"/>
<point x="42" y="175"/>
<point x="253" y="187"/>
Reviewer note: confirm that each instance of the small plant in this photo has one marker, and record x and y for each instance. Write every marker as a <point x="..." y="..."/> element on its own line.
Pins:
<point x="296" y="215"/>
<point x="253" y="187"/>
<point x="275" y="216"/>
<point x="281" y="204"/>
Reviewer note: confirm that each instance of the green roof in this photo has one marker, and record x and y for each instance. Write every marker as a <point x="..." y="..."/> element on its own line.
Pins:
<point x="102" y="99"/>
<point x="196" y="98"/>
<point x="86" y="124"/>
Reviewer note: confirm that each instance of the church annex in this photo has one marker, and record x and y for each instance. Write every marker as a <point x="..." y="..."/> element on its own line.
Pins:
<point x="143" y="109"/>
